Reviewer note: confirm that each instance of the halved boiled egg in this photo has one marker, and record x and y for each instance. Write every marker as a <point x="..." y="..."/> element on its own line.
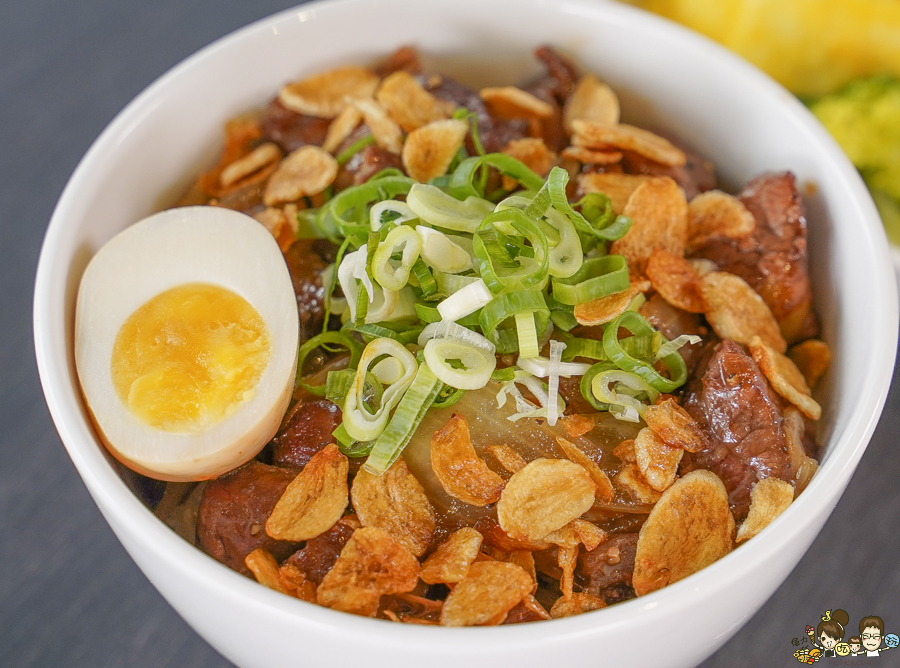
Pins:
<point x="186" y="336"/>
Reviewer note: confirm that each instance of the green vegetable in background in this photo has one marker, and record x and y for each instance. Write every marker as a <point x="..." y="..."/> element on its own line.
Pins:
<point x="864" y="118"/>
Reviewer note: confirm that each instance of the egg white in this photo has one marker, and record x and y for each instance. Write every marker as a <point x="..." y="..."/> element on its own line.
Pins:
<point x="197" y="244"/>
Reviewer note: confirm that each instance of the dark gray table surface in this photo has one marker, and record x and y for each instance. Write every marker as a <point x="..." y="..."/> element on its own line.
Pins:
<point x="69" y="594"/>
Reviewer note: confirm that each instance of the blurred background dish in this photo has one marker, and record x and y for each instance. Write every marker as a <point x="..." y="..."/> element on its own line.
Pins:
<point x="841" y="57"/>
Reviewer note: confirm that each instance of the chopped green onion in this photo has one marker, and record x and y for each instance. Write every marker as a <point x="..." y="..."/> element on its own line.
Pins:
<point x="528" y="272"/>
<point x="416" y="401"/>
<point x="465" y="301"/>
<point x="540" y="366"/>
<point x="527" y="335"/>
<point x="502" y="310"/>
<point x="427" y="283"/>
<point x="361" y="423"/>
<point x="445" y="253"/>
<point x="587" y="381"/>
<point x="319" y="340"/>
<point x="504" y="375"/>
<point x="477" y="363"/>
<point x="404" y="240"/>
<point x="597" y="277"/>
<point x="637" y="325"/>
<point x="562" y="315"/>
<point x="556" y="351"/>
<point x="447" y="397"/>
<point x="430" y="314"/>
<point x="462" y="113"/>
<point x="389" y="206"/>
<point x="437" y="208"/>
<point x="462" y="181"/>
<point x="348" y="214"/>
<point x="587" y="348"/>
<point x="450" y="283"/>
<point x="353" y="149"/>
<point x="388" y="330"/>
<point x="337" y="384"/>
<point x="675" y="344"/>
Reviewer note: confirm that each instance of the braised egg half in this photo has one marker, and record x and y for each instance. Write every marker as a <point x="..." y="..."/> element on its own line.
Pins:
<point x="186" y="335"/>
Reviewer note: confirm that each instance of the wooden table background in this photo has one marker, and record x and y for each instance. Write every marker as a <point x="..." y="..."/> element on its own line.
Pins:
<point x="69" y="594"/>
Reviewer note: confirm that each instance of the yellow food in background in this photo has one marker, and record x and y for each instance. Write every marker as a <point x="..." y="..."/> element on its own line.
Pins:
<point x="812" y="47"/>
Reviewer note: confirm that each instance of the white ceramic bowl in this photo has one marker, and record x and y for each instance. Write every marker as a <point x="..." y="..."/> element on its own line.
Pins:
<point x="722" y="106"/>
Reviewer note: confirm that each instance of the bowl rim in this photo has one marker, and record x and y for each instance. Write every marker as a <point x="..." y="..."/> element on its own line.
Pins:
<point x="112" y="495"/>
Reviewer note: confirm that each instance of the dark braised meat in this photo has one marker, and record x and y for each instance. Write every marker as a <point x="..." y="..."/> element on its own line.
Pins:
<point x="319" y="554"/>
<point x="697" y="175"/>
<point x="554" y="88"/>
<point x="521" y="614"/>
<point x="742" y="415"/>
<point x="773" y="259"/>
<point x="405" y="59"/>
<point x="291" y="130"/>
<point x="367" y="163"/>
<point x="494" y="133"/>
<point x="306" y="260"/>
<point x="673" y="322"/>
<point x="306" y="430"/>
<point x="608" y="565"/>
<point x="234" y="510"/>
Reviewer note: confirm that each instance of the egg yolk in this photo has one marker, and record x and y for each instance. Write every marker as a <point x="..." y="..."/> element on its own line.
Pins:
<point x="189" y="356"/>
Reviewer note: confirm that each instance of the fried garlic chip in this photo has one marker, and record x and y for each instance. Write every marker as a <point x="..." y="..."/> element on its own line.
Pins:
<point x="785" y="378"/>
<point x="496" y="537"/>
<point x="306" y="171"/>
<point x="341" y="127"/>
<point x="371" y="565"/>
<point x="628" y="138"/>
<point x="314" y="500"/>
<point x="508" y="458"/>
<point x="658" y="212"/>
<point x="625" y="451"/>
<point x="577" y="532"/>
<point x="714" y="214"/>
<point x="512" y="102"/>
<point x="395" y="502"/>
<point x="325" y="95"/>
<point x="703" y="266"/>
<point x="675" y="279"/>
<point x="592" y="101"/>
<point x="488" y="592"/>
<point x="294" y="582"/>
<point x="768" y="499"/>
<point x="577" y="425"/>
<point x="656" y="461"/>
<point x="430" y="149"/>
<point x="533" y="153"/>
<point x="277" y="222"/>
<point x="618" y="187"/>
<point x="631" y="478"/>
<point x="577" y="604"/>
<point x="385" y="130"/>
<point x="675" y="427"/>
<point x="689" y="528"/>
<point x="737" y="312"/>
<point x="606" y="309"/>
<point x="604" y="491"/>
<point x="459" y="469"/>
<point x="588" y="157"/>
<point x="812" y="357"/>
<point x="254" y="161"/>
<point x="543" y="497"/>
<point x="409" y="103"/>
<point x="450" y="562"/>
<point x="264" y="568"/>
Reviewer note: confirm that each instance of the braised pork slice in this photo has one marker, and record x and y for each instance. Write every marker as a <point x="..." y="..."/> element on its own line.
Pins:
<point x="606" y="570"/>
<point x="494" y="133"/>
<point x="234" y="510"/>
<point x="319" y="554"/>
<point x="773" y="259"/>
<point x="731" y="398"/>
<point x="554" y="88"/>
<point x="307" y="429"/>
<point x="306" y="260"/>
<point x="291" y="130"/>
<point x="695" y="176"/>
<point x="673" y="322"/>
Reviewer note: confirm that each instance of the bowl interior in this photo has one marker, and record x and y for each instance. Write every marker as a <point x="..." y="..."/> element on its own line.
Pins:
<point x="666" y="78"/>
